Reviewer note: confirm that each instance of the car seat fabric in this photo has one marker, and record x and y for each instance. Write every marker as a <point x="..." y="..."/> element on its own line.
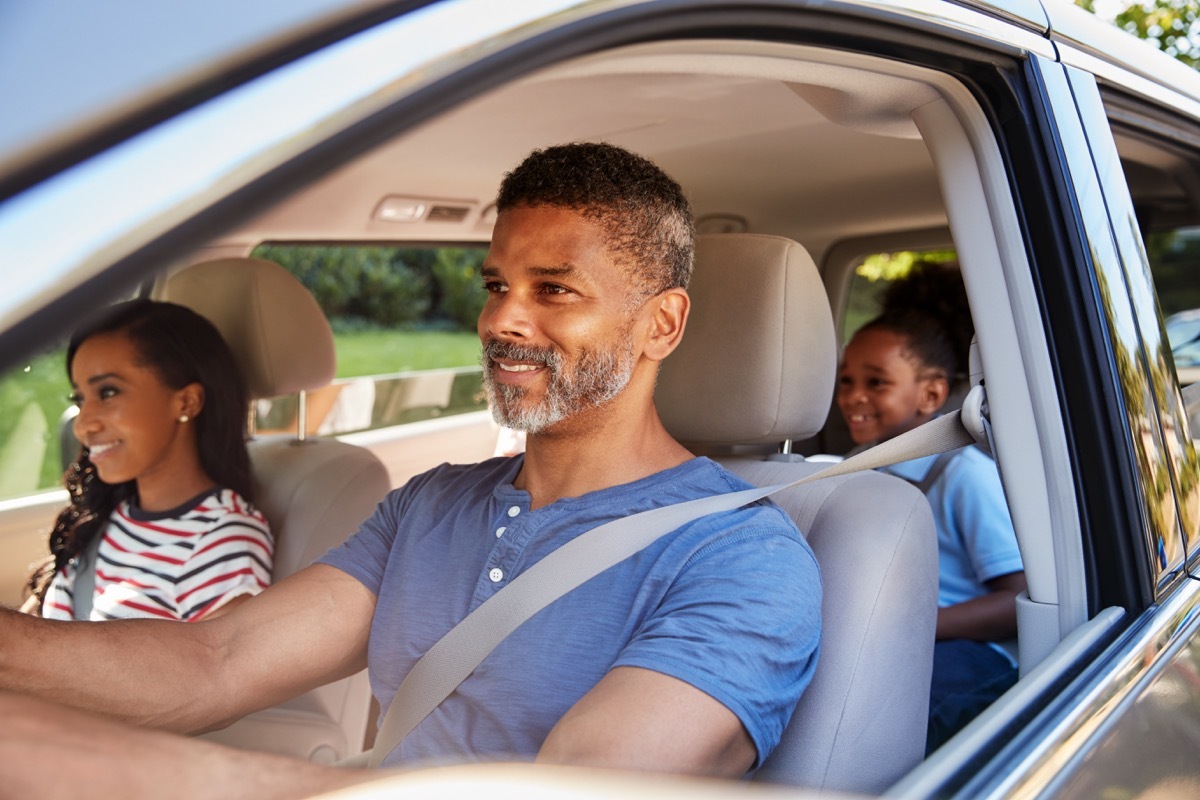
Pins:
<point x="759" y="305"/>
<point x="314" y="493"/>
<point x="758" y="364"/>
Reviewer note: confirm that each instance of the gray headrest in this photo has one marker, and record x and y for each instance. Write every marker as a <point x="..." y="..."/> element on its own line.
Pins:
<point x="277" y="332"/>
<point x="758" y="359"/>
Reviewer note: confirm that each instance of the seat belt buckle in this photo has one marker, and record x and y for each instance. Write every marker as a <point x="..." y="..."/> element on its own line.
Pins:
<point x="976" y="418"/>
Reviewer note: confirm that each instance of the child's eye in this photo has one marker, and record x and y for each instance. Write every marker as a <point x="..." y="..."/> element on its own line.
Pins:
<point x="494" y="287"/>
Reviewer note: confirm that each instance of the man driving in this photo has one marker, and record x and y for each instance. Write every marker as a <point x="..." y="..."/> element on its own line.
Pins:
<point x="686" y="657"/>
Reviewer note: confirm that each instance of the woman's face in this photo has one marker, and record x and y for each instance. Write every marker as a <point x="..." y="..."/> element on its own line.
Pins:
<point x="129" y="421"/>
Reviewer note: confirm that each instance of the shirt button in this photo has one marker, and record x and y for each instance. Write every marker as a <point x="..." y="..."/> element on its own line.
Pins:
<point x="500" y="531"/>
<point x="514" y="510"/>
<point x="496" y="574"/>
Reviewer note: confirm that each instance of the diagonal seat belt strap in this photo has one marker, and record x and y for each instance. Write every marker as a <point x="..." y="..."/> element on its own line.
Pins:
<point x="456" y="655"/>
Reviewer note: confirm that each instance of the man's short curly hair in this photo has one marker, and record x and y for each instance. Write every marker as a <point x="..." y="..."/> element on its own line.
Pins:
<point x="646" y="217"/>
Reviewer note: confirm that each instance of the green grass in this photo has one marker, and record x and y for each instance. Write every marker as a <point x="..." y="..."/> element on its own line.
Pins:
<point x="382" y="352"/>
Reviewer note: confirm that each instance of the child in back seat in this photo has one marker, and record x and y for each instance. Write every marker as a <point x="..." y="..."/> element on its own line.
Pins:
<point x="895" y="375"/>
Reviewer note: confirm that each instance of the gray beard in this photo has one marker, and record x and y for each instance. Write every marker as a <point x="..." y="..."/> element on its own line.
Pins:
<point x="596" y="378"/>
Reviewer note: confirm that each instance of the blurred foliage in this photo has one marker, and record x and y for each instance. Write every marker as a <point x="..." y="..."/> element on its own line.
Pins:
<point x="33" y="397"/>
<point x="457" y="274"/>
<point x="892" y="266"/>
<point x="871" y="278"/>
<point x="1172" y="26"/>
<point x="360" y="287"/>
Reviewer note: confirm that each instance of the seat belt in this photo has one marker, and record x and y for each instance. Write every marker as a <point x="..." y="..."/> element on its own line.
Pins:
<point x="83" y="589"/>
<point x="456" y="655"/>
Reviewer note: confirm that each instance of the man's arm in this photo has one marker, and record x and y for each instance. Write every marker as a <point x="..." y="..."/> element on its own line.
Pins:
<point x="305" y="631"/>
<point x="991" y="617"/>
<point x="644" y="720"/>
<point x="111" y="760"/>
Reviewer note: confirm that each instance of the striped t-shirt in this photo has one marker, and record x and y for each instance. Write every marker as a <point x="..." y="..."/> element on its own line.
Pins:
<point x="180" y="564"/>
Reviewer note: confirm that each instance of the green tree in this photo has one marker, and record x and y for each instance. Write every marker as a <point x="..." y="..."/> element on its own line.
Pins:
<point x="376" y="284"/>
<point x="1172" y="26"/>
<point x="462" y="296"/>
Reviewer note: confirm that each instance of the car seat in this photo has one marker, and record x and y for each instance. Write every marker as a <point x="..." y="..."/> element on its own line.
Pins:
<point x="757" y="366"/>
<point x="313" y="492"/>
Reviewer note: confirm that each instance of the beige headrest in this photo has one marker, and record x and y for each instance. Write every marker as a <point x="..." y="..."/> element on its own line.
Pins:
<point x="758" y="359"/>
<point x="279" y="337"/>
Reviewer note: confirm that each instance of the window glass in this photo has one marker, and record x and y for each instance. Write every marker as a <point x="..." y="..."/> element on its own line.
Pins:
<point x="1174" y="257"/>
<point x="403" y="320"/>
<point x="870" y="280"/>
<point x="33" y="398"/>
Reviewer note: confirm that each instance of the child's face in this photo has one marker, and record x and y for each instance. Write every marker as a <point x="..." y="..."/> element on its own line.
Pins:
<point x="882" y="391"/>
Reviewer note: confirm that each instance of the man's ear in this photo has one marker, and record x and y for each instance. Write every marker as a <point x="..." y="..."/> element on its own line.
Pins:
<point x="668" y="317"/>
<point x="933" y="394"/>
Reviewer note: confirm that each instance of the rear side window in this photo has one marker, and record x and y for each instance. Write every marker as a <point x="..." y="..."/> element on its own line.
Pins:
<point x="403" y="321"/>
<point x="869" y="282"/>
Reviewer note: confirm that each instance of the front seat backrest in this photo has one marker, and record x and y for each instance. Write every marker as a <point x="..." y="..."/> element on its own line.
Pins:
<point x="314" y="493"/>
<point x="760" y="321"/>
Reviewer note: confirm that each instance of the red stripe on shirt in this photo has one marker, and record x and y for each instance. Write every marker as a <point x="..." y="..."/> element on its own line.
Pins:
<point x="161" y="529"/>
<point x="115" y="579"/>
<point x="158" y="612"/>
<point x="255" y="540"/>
<point x="145" y="553"/>
<point x="204" y="609"/>
<point x="222" y="577"/>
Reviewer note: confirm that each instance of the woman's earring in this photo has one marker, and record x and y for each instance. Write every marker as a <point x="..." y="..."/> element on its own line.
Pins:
<point x="184" y="417"/>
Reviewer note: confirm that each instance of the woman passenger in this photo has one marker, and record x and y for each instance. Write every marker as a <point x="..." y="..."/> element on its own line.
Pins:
<point x="160" y="521"/>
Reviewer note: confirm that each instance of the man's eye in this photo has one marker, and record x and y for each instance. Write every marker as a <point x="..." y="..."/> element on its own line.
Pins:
<point x="494" y="287"/>
<point x="554" y="288"/>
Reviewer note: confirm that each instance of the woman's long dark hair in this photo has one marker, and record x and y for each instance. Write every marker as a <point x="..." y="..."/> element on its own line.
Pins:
<point x="182" y="348"/>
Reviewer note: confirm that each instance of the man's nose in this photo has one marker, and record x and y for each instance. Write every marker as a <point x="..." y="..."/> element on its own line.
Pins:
<point x="507" y="315"/>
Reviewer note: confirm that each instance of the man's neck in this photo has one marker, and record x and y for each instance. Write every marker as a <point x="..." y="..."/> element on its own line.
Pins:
<point x="601" y="448"/>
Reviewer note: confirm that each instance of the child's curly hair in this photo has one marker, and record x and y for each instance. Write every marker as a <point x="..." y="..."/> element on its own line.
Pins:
<point x="928" y="307"/>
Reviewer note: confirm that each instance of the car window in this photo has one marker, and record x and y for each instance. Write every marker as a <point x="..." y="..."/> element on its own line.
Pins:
<point x="403" y="320"/>
<point x="1174" y="257"/>
<point x="33" y="399"/>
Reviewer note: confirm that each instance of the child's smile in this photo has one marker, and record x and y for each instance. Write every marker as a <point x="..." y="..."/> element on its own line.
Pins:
<point x="882" y="392"/>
